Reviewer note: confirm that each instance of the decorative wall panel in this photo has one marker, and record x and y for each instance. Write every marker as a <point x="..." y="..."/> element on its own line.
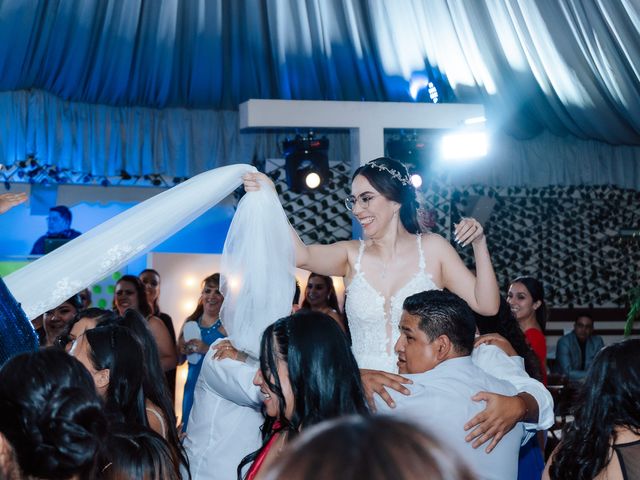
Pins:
<point x="568" y="237"/>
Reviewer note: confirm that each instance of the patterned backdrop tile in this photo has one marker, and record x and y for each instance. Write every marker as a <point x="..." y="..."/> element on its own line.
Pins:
<point x="566" y="236"/>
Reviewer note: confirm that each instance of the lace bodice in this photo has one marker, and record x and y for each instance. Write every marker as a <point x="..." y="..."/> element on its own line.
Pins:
<point x="373" y="320"/>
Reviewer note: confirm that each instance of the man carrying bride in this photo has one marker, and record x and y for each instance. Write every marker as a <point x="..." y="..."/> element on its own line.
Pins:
<point x="395" y="261"/>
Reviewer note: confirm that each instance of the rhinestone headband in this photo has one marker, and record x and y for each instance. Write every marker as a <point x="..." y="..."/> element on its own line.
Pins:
<point x="405" y="180"/>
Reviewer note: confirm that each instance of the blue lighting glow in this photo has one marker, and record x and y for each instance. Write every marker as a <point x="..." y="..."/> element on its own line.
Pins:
<point x="420" y="83"/>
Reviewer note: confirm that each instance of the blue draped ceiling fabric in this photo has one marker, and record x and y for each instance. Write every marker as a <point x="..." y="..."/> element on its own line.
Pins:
<point x="154" y="86"/>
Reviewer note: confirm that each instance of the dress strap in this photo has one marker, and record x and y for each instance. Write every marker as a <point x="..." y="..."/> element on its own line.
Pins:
<point x="360" y="253"/>
<point x="160" y="418"/>
<point x="422" y="263"/>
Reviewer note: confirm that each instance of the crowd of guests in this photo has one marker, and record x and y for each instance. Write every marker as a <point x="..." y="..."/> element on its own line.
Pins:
<point x="452" y="386"/>
<point x="85" y="413"/>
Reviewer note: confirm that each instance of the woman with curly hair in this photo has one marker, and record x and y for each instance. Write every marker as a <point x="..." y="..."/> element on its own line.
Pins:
<point x="603" y="442"/>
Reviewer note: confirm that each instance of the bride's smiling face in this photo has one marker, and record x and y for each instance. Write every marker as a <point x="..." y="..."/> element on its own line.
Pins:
<point x="371" y="208"/>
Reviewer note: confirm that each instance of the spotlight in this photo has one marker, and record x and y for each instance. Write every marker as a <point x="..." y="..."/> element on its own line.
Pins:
<point x="306" y="162"/>
<point x="312" y="180"/>
<point x="415" y="153"/>
<point x="416" y="180"/>
<point x="460" y="146"/>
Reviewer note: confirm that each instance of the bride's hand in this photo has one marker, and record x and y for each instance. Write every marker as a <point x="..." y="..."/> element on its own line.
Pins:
<point x="375" y="381"/>
<point x="225" y="349"/>
<point x="253" y="181"/>
<point x="468" y="231"/>
<point x="10" y="200"/>
<point x="497" y="340"/>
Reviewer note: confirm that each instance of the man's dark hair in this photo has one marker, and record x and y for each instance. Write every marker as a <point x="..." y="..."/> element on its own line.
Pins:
<point x="444" y="313"/>
<point x="63" y="211"/>
<point x="585" y="315"/>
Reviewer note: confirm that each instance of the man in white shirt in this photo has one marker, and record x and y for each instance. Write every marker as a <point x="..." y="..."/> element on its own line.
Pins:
<point x="437" y="332"/>
<point x="224" y="424"/>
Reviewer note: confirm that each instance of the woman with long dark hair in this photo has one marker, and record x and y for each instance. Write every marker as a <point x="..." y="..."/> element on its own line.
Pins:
<point x="83" y="321"/>
<point x="320" y="296"/>
<point x="504" y="324"/>
<point x="130" y="294"/>
<point x="113" y="357"/>
<point x="136" y="452"/>
<point x="307" y="375"/>
<point x="53" y="422"/>
<point x="158" y="401"/>
<point x="526" y="299"/>
<point x="150" y="279"/>
<point x="603" y="441"/>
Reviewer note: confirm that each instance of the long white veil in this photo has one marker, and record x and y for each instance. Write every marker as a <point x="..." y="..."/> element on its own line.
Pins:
<point x="53" y="278"/>
<point x="257" y="263"/>
<point x="257" y="269"/>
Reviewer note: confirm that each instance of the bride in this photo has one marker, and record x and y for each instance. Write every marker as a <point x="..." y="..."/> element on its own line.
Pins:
<point x="396" y="260"/>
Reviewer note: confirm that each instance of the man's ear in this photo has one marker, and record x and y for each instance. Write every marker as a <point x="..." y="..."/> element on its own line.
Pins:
<point x="444" y="347"/>
<point x="102" y="378"/>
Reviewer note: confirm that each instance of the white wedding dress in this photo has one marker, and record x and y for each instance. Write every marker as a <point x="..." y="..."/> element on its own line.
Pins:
<point x="373" y="320"/>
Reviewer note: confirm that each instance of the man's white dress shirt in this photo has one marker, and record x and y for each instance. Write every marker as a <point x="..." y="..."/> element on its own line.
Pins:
<point x="224" y="424"/>
<point x="440" y="402"/>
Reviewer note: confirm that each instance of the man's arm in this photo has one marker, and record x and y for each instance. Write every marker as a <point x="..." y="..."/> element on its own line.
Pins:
<point x="533" y="403"/>
<point x="511" y="369"/>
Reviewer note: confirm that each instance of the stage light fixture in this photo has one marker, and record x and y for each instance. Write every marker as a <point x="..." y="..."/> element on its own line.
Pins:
<point x="306" y="162"/>
<point x="414" y="153"/>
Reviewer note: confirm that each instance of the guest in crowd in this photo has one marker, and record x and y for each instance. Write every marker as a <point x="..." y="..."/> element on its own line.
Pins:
<point x="83" y="321"/>
<point x="375" y="448"/>
<point x="320" y="296"/>
<point x="85" y="298"/>
<point x="59" y="228"/>
<point x="16" y="332"/>
<point x="113" y="357"/>
<point x="151" y="281"/>
<point x="504" y="326"/>
<point x="52" y="425"/>
<point x="437" y="333"/>
<point x="130" y="294"/>
<point x="603" y="441"/>
<point x="575" y="350"/>
<point x="136" y="452"/>
<point x="207" y="318"/>
<point x="159" y="404"/>
<point x="526" y="298"/>
<point x="307" y="375"/>
<point x="55" y="321"/>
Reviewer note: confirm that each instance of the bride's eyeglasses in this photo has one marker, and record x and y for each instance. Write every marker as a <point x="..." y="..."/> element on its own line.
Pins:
<point x="363" y="200"/>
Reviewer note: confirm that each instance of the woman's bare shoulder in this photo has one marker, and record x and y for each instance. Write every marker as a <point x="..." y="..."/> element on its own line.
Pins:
<point x="351" y="246"/>
<point x="434" y="241"/>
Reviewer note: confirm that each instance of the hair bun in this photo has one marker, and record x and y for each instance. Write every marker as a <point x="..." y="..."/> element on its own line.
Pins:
<point x="67" y="433"/>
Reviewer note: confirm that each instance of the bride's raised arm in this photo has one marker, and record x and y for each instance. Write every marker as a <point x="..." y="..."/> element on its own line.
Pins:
<point x="480" y="291"/>
<point x="329" y="259"/>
